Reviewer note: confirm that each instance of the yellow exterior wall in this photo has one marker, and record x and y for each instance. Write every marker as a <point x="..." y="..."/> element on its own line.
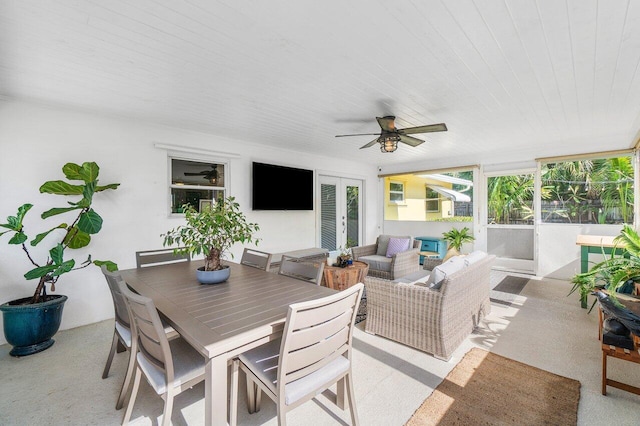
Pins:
<point x="413" y="207"/>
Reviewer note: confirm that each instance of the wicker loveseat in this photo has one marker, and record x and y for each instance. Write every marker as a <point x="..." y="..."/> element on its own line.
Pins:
<point x="390" y="268"/>
<point x="432" y="320"/>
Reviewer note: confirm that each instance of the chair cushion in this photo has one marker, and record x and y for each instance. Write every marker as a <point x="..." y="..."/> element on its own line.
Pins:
<point x="441" y="272"/>
<point x="383" y="243"/>
<point x="187" y="365"/>
<point x="378" y="263"/>
<point x="263" y="362"/>
<point x="124" y="333"/>
<point x="397" y="245"/>
<point x="474" y="256"/>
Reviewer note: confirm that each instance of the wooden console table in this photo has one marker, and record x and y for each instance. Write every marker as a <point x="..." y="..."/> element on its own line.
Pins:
<point x="341" y="278"/>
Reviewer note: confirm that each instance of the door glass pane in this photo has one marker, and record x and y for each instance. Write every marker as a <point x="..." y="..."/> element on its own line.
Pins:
<point x="510" y="199"/>
<point x="328" y="223"/>
<point x="353" y="210"/>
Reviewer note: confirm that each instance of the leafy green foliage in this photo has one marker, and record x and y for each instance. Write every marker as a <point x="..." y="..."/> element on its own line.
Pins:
<point x="212" y="231"/>
<point x="74" y="236"/>
<point x="457" y="237"/>
<point x="615" y="270"/>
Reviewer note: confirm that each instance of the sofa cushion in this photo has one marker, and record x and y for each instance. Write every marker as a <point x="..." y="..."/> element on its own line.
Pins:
<point x="378" y="263"/>
<point x="474" y="256"/>
<point x="397" y="245"/>
<point x="383" y="243"/>
<point x="441" y="272"/>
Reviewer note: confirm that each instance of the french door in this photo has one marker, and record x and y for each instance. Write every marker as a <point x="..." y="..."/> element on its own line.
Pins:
<point x="340" y="212"/>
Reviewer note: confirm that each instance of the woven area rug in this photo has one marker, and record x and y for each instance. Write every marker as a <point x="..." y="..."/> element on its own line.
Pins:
<point x="488" y="389"/>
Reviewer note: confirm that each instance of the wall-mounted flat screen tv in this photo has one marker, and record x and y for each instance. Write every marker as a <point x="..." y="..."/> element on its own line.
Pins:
<point x="281" y="188"/>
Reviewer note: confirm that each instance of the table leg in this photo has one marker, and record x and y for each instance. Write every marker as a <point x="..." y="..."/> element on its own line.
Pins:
<point x="215" y="392"/>
<point x="584" y="259"/>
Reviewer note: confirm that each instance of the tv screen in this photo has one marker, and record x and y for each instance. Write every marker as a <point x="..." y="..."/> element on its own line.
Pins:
<point x="281" y="188"/>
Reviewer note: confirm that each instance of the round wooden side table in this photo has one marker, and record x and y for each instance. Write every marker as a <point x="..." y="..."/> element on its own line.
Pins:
<point x="341" y="278"/>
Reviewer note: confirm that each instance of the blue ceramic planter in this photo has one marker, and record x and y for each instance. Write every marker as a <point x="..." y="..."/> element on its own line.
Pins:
<point x="213" y="277"/>
<point x="29" y="328"/>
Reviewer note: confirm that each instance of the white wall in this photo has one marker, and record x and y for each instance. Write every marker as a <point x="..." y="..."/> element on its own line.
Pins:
<point x="36" y="141"/>
<point x="558" y="254"/>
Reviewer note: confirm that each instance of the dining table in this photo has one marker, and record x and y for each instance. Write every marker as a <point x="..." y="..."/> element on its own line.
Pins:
<point x="221" y="320"/>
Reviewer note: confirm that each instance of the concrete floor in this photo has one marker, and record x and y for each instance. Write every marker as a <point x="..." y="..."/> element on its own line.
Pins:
<point x="542" y="327"/>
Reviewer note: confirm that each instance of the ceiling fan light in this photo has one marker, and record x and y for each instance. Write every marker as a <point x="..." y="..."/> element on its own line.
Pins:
<point x="388" y="143"/>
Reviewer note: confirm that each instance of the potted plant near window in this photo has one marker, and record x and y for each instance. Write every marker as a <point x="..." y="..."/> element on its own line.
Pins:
<point x="211" y="232"/>
<point x="30" y="322"/>
<point x="455" y="238"/>
<point x="617" y="273"/>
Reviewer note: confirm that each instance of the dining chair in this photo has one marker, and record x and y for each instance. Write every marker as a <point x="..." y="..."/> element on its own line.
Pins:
<point x="122" y="332"/>
<point x="149" y="258"/>
<point x="170" y="366"/>
<point x="301" y="269"/>
<point x="314" y="353"/>
<point x="256" y="259"/>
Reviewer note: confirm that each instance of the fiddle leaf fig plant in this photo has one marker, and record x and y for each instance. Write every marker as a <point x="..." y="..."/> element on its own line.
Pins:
<point x="77" y="234"/>
<point x="212" y="231"/>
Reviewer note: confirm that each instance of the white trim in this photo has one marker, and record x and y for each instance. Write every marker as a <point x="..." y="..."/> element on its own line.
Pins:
<point x="180" y="150"/>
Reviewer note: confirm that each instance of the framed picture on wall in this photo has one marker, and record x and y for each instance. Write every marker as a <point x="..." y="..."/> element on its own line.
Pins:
<point x="205" y="204"/>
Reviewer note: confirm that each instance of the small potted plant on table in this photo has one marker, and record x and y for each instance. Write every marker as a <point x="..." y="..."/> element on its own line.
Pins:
<point x="30" y="322"/>
<point x="211" y="232"/>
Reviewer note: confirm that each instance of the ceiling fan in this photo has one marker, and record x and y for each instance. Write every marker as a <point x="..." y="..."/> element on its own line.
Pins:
<point x="389" y="136"/>
<point x="210" y="175"/>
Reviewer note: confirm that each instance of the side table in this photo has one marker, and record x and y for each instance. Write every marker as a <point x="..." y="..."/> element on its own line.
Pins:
<point x="338" y="278"/>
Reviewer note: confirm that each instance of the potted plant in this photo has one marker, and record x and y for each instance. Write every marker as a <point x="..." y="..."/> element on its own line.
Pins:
<point x="30" y="322"/>
<point x="615" y="272"/>
<point x="455" y="239"/>
<point x="211" y="232"/>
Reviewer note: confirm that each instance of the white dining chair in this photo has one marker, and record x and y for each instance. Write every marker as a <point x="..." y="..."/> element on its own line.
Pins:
<point x="256" y="259"/>
<point x="122" y="332"/>
<point x="305" y="270"/>
<point x="314" y="353"/>
<point x="170" y="367"/>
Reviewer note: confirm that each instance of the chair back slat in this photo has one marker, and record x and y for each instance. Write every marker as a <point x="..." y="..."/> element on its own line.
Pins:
<point x="149" y="258"/>
<point x="256" y="259"/>
<point x="300" y="356"/>
<point x="119" y="305"/>
<point x="301" y="269"/>
<point x="313" y="317"/>
<point x="148" y="331"/>
<point x="311" y="335"/>
<point x="306" y="357"/>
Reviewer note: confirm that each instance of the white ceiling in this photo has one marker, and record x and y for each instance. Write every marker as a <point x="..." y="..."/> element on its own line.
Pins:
<point x="511" y="79"/>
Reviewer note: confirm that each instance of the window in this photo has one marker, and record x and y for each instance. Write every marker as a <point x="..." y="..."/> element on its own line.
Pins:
<point x="429" y="196"/>
<point x="432" y="200"/>
<point x="396" y="192"/>
<point x="196" y="183"/>
<point x="593" y="191"/>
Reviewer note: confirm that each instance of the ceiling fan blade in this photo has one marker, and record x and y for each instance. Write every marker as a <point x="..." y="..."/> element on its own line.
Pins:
<point x="387" y="123"/>
<point x="424" y="129"/>
<point x="410" y="140"/>
<point x="358" y="134"/>
<point x="195" y="174"/>
<point x="372" y="143"/>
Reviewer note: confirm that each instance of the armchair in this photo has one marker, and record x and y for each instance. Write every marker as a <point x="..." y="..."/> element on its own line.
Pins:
<point x="390" y="268"/>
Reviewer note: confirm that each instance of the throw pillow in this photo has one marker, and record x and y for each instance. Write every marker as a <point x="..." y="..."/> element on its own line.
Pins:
<point x="473" y="257"/>
<point x="441" y="272"/>
<point x="383" y="243"/>
<point x="397" y="245"/>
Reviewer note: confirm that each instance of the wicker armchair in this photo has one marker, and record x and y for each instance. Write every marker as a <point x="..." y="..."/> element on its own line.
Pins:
<point x="399" y="265"/>
<point x="434" y="321"/>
